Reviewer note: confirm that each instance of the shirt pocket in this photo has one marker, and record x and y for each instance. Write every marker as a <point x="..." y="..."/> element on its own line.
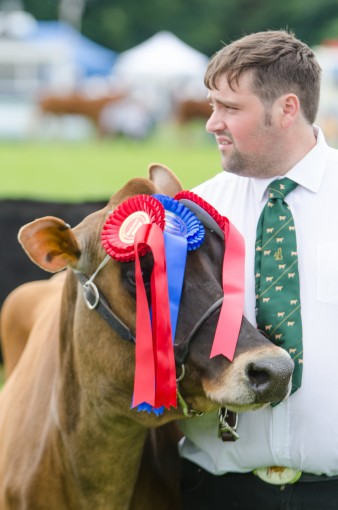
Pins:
<point x="327" y="273"/>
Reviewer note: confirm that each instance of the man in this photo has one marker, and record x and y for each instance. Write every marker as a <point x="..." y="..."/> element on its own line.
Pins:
<point x="264" y="91"/>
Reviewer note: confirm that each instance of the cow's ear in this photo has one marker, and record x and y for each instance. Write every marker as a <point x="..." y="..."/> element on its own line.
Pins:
<point x="164" y="179"/>
<point x="50" y="243"/>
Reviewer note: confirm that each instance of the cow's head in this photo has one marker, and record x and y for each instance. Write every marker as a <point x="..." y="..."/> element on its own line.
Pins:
<point x="104" y="363"/>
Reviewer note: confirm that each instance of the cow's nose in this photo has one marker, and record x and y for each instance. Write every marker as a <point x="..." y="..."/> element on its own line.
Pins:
<point x="269" y="377"/>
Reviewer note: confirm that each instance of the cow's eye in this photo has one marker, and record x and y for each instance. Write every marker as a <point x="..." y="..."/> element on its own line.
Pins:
<point x="128" y="273"/>
<point x="146" y="274"/>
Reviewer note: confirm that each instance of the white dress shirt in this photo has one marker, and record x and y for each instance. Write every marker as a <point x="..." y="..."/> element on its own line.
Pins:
<point x="301" y="432"/>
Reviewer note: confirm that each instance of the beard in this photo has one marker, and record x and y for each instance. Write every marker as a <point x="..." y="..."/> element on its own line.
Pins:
<point x="261" y="164"/>
<point x="246" y="165"/>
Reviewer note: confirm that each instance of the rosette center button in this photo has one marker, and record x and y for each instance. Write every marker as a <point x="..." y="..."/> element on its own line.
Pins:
<point x="131" y="225"/>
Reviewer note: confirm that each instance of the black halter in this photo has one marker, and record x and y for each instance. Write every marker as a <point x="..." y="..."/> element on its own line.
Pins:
<point x="182" y="350"/>
<point x="95" y="300"/>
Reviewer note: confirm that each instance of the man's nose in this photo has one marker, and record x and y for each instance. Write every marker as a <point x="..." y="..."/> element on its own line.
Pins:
<point x="215" y="123"/>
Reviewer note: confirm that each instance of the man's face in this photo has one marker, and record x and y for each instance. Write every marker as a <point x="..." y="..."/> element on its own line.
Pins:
<point x="248" y="135"/>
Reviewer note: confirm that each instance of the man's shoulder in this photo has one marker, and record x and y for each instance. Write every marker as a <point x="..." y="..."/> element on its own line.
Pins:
<point x="333" y="154"/>
<point x="225" y="191"/>
<point x="221" y="182"/>
<point x="331" y="168"/>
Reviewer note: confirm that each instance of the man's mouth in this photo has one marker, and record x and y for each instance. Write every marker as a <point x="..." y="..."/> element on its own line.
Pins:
<point x="223" y="142"/>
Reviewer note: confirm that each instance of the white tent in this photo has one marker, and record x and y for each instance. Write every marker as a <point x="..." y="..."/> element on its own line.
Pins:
<point x="161" y="56"/>
<point x="162" y="69"/>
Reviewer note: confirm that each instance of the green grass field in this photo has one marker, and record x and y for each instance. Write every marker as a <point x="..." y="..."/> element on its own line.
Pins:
<point x="96" y="169"/>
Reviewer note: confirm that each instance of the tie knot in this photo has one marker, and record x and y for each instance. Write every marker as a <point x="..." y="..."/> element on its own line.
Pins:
<point x="281" y="187"/>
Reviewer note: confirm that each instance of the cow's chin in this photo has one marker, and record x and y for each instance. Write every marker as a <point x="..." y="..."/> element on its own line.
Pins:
<point x="240" y="398"/>
<point x="209" y="404"/>
<point x="244" y="408"/>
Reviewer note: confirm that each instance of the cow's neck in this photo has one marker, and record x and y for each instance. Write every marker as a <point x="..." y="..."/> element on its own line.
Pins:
<point x="102" y="446"/>
<point x="106" y="459"/>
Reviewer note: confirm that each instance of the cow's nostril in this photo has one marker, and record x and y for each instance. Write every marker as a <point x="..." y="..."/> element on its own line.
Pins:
<point x="258" y="377"/>
<point x="269" y="378"/>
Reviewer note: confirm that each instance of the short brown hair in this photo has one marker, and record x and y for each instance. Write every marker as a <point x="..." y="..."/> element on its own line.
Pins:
<point x="280" y="64"/>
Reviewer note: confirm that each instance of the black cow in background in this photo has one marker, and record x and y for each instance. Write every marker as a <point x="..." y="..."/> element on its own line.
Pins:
<point x="15" y="267"/>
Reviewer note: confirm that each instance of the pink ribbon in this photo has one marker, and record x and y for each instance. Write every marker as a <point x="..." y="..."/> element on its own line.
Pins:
<point x="230" y="318"/>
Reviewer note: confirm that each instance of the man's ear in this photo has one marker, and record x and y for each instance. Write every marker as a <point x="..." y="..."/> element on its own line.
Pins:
<point x="50" y="243"/>
<point x="290" y="108"/>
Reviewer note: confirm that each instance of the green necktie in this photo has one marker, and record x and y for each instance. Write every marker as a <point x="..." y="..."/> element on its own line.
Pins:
<point x="277" y="278"/>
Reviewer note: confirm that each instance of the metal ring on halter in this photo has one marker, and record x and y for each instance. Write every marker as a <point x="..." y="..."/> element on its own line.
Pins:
<point x="90" y="291"/>
<point x="181" y="376"/>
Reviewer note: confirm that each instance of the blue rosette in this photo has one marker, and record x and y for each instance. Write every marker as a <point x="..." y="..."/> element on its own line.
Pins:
<point x="180" y="221"/>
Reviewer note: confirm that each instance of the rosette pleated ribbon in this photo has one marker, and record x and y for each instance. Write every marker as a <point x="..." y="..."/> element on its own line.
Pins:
<point x="230" y="319"/>
<point x="169" y="230"/>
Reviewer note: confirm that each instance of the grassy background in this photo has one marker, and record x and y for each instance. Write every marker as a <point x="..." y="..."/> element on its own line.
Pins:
<point x="95" y="169"/>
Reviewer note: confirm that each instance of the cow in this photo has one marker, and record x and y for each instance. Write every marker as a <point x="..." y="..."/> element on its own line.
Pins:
<point x="69" y="436"/>
<point x="77" y="103"/>
<point x="191" y="109"/>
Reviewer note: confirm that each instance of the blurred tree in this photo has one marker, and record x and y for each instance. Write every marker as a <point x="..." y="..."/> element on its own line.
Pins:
<point x="72" y="11"/>
<point x="121" y="24"/>
<point x="46" y="10"/>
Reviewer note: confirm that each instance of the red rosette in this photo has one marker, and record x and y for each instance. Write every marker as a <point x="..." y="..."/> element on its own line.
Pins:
<point x="118" y="233"/>
<point x="189" y="195"/>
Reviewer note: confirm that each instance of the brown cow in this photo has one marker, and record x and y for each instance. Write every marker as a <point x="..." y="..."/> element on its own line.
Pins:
<point x="80" y="104"/>
<point x="68" y="436"/>
<point x="192" y="109"/>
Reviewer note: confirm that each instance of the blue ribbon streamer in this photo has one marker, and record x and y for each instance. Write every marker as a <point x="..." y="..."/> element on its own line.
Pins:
<point x="176" y="256"/>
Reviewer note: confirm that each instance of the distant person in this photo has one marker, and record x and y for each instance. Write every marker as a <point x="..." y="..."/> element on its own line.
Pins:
<point x="128" y="118"/>
<point x="264" y="90"/>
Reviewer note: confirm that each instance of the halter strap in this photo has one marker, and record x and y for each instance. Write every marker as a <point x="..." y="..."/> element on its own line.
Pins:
<point x="95" y="300"/>
<point x="182" y="350"/>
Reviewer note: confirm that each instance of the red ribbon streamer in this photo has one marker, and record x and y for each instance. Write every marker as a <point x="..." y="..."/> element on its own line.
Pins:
<point x="155" y="373"/>
<point x="230" y="318"/>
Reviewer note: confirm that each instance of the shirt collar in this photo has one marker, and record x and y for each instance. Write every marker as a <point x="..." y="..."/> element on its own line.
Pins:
<point x="307" y="173"/>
